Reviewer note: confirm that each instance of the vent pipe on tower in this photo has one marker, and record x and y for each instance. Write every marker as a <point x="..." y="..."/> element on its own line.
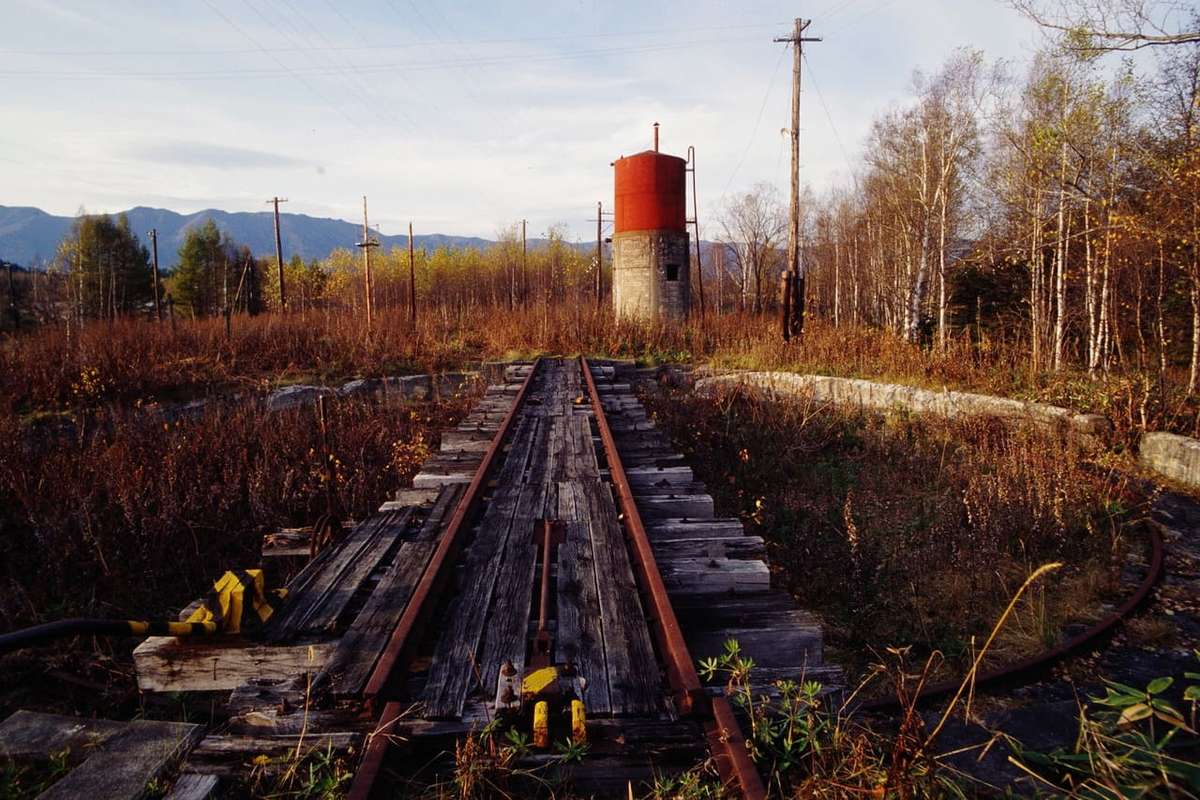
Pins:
<point x="656" y="137"/>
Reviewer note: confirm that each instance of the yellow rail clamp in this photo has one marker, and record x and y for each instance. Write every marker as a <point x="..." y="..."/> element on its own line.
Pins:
<point x="541" y="724"/>
<point x="539" y="681"/>
<point x="578" y="722"/>
<point x="226" y="605"/>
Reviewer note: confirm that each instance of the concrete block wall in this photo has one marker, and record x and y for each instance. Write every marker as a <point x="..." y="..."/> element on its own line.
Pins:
<point x="884" y="396"/>
<point x="641" y="263"/>
<point x="1172" y="456"/>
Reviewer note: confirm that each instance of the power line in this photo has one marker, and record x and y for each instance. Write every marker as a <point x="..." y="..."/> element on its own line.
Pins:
<point x="364" y="68"/>
<point x="399" y="46"/>
<point x="355" y="82"/>
<point x="408" y="85"/>
<point x="757" y="122"/>
<point x="846" y="23"/>
<point x="467" y="84"/>
<point x="350" y="94"/>
<point x="837" y="136"/>
<point x="283" y="66"/>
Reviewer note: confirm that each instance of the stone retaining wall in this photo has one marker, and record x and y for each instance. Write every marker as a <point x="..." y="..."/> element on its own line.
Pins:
<point x="1172" y="456"/>
<point x="884" y="396"/>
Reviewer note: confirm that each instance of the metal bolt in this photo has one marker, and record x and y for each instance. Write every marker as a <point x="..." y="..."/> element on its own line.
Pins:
<point x="507" y="669"/>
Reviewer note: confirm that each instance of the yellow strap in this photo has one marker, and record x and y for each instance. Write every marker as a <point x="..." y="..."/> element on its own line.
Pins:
<point x="578" y="722"/>
<point x="541" y="724"/>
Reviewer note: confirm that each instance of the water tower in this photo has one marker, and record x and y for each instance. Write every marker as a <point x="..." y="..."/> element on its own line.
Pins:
<point x="651" y="272"/>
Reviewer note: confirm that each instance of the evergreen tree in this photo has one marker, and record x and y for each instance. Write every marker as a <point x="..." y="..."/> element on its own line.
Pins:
<point x="208" y="270"/>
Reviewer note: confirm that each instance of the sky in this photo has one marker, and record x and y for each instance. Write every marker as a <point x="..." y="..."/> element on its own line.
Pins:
<point x="461" y="116"/>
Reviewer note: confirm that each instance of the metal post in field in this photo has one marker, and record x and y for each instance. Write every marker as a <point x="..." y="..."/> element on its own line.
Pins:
<point x="154" y="256"/>
<point x="366" y="244"/>
<point x="279" y="253"/>
<point x="412" y="280"/>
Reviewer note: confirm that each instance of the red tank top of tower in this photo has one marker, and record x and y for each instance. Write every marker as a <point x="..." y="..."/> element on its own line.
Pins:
<point x="651" y="192"/>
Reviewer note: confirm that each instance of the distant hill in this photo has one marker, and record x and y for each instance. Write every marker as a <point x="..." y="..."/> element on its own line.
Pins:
<point x="30" y="236"/>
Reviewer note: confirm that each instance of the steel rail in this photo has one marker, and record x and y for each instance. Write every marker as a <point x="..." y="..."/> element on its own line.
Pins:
<point x="1028" y="668"/>
<point x="407" y="633"/>
<point x="726" y="742"/>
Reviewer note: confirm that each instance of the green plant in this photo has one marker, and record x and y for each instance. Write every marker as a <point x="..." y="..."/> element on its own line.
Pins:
<point x="1136" y="744"/>
<point x="19" y="781"/>
<point x="315" y="774"/>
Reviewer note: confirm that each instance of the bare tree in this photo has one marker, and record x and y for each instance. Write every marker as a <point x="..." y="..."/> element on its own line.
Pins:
<point x="754" y="226"/>
<point x="1093" y="26"/>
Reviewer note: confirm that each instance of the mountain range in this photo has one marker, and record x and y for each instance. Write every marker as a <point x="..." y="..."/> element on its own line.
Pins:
<point x="29" y="237"/>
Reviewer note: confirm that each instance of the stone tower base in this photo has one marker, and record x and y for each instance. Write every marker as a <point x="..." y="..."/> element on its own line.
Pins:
<point x="651" y="274"/>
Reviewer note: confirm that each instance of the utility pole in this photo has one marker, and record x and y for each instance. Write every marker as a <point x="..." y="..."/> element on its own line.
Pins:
<point x="793" y="311"/>
<point x="12" y="298"/>
<point x="524" y="268"/>
<point x="599" y="252"/>
<point x="696" y="223"/>
<point x="366" y="244"/>
<point x="154" y="255"/>
<point x="279" y="253"/>
<point x="412" y="280"/>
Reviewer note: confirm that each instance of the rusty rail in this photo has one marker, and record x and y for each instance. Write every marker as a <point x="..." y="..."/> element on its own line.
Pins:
<point x="725" y="739"/>
<point x="407" y="632"/>
<point x="1028" y="668"/>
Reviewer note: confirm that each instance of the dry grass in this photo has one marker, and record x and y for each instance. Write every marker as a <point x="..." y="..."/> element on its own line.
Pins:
<point x="131" y="360"/>
<point x="906" y="531"/>
<point x="136" y="516"/>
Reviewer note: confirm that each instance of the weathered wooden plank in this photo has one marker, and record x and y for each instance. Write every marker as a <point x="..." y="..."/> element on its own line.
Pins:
<point x="633" y="675"/>
<point x="437" y="481"/>
<point x="325" y="617"/>
<point x="579" y="638"/>
<point x="322" y="597"/>
<point x="693" y="506"/>
<point x="457" y="441"/>
<point x="356" y="652"/>
<point x="168" y="664"/>
<point x="234" y="755"/>
<point x="740" y="547"/>
<point x="506" y="635"/>
<point x="191" y="786"/>
<point x="307" y="590"/>
<point x="690" y="528"/>
<point x="658" y="476"/>
<point x="287" y="542"/>
<point x="452" y="671"/>
<point x="123" y="767"/>
<point x="714" y="575"/>
<point x="413" y="497"/>
<point x="34" y="736"/>
<point x="791" y="646"/>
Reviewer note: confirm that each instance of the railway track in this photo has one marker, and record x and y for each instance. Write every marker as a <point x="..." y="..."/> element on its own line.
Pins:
<point x="604" y="613"/>
<point x="555" y="570"/>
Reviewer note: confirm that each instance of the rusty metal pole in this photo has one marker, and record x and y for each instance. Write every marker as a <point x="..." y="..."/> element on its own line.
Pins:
<point x="785" y="301"/>
<point x="696" y="223"/>
<point x="412" y="280"/>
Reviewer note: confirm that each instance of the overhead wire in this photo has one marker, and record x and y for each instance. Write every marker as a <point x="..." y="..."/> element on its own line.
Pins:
<point x="832" y="125"/>
<point x="757" y="122"/>
<point x="414" y="87"/>
<point x="846" y="23"/>
<point x="350" y="94"/>
<point x="397" y="46"/>
<point x="382" y="111"/>
<point x="282" y="65"/>
<point x="466" y="83"/>
<point x="366" y="68"/>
